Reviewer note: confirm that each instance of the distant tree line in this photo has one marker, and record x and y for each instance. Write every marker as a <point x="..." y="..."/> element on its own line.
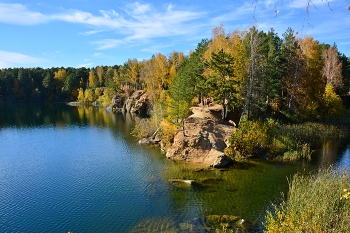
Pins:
<point x="251" y="72"/>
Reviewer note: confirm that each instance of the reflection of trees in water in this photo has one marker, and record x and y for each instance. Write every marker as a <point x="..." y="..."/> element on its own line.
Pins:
<point x="328" y="153"/>
<point x="23" y="115"/>
<point x="61" y="115"/>
<point x="95" y="116"/>
<point x="331" y="153"/>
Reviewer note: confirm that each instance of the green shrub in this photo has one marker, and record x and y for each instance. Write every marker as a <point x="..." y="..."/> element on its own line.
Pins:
<point x="250" y="138"/>
<point x="315" y="203"/>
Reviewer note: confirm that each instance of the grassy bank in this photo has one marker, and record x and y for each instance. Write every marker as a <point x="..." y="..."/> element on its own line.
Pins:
<point x="277" y="141"/>
<point x="315" y="203"/>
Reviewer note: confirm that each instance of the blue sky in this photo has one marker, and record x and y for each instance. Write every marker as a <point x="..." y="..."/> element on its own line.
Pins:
<point x="86" y="33"/>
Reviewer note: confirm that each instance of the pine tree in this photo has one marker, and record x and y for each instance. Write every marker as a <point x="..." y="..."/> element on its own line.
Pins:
<point x="221" y="80"/>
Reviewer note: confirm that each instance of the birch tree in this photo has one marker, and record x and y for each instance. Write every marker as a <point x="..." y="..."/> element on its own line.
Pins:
<point x="332" y="69"/>
<point x="254" y="42"/>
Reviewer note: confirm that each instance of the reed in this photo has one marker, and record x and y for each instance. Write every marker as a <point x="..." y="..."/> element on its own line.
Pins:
<point x="281" y="141"/>
<point x="315" y="203"/>
<point x="295" y="142"/>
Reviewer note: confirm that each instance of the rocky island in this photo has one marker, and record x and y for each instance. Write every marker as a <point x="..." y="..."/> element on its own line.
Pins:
<point x="203" y="138"/>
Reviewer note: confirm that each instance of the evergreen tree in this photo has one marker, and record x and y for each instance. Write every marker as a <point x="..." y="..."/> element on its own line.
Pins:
<point x="48" y="83"/>
<point x="273" y="72"/>
<point x="187" y="83"/>
<point x="221" y="81"/>
<point x="345" y="73"/>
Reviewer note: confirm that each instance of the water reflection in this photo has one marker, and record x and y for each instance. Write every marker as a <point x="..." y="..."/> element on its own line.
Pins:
<point x="328" y="153"/>
<point x="332" y="153"/>
<point x="96" y="168"/>
<point x="60" y="115"/>
<point x="343" y="160"/>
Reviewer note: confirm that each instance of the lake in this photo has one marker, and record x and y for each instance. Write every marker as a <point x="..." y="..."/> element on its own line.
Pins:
<point x="79" y="169"/>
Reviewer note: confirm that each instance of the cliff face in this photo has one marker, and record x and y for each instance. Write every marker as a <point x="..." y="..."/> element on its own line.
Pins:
<point x="203" y="139"/>
<point x="138" y="103"/>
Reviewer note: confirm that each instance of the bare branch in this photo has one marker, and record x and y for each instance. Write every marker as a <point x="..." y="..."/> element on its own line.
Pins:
<point x="254" y="4"/>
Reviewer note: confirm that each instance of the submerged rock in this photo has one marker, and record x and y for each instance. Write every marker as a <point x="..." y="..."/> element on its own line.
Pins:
<point x="181" y="180"/>
<point x="235" y="223"/>
<point x="146" y="141"/>
<point x="155" y="224"/>
<point x="149" y="141"/>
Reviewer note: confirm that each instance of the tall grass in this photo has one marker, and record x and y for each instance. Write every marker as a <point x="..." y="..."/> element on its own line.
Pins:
<point x="294" y="142"/>
<point x="315" y="203"/>
<point x="281" y="141"/>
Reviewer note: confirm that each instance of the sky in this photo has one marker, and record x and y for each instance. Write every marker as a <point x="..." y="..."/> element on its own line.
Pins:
<point x="87" y="33"/>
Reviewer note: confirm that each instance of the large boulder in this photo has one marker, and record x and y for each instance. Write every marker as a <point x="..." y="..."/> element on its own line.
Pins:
<point x="202" y="140"/>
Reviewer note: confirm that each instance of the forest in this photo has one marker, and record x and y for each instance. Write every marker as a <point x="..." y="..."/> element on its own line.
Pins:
<point x="251" y="72"/>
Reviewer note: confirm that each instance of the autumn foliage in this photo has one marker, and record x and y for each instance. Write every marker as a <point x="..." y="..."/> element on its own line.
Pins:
<point x="250" y="72"/>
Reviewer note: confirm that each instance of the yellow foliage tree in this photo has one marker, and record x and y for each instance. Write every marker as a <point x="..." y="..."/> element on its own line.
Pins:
<point x="133" y="72"/>
<point x="93" y="79"/>
<point x="60" y="77"/>
<point x="89" y="96"/>
<point x="175" y="60"/>
<point x="314" y="81"/>
<point x="332" y="103"/>
<point x="80" y="95"/>
<point x="100" y="74"/>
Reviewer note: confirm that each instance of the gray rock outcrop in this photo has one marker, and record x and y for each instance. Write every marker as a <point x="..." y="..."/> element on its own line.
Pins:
<point x="137" y="103"/>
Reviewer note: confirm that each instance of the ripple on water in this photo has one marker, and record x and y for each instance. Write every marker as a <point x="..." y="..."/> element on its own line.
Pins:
<point x="96" y="178"/>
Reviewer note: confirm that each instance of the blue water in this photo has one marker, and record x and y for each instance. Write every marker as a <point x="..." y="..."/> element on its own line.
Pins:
<point x="78" y="169"/>
<point x="74" y="178"/>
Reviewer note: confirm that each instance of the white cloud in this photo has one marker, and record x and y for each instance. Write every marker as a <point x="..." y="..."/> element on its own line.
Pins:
<point x="138" y="8"/>
<point x="142" y="23"/>
<point x="19" y="14"/>
<point x="11" y="59"/>
<point x="108" y="43"/>
<point x="88" y="33"/>
<point x="85" y="65"/>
